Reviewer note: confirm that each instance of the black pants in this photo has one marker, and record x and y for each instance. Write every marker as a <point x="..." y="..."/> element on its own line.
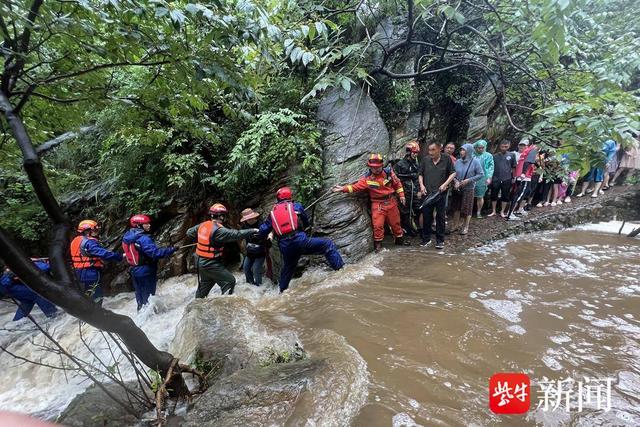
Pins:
<point x="427" y="220"/>
<point x="503" y="188"/>
<point x="210" y="273"/>
<point x="521" y="193"/>
<point x="410" y="213"/>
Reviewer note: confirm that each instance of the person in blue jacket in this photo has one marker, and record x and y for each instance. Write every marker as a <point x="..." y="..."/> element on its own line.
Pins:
<point x="287" y="220"/>
<point x="142" y="254"/>
<point x="12" y="287"/>
<point x="88" y="256"/>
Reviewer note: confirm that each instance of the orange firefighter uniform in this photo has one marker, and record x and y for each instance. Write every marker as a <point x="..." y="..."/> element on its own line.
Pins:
<point x="382" y="189"/>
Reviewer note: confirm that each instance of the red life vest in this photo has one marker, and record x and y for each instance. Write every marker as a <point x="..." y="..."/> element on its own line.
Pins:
<point x="79" y="256"/>
<point x="284" y="218"/>
<point x="205" y="247"/>
<point x="134" y="255"/>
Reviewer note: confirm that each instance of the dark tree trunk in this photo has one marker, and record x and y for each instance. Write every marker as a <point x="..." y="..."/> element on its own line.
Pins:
<point x="64" y="290"/>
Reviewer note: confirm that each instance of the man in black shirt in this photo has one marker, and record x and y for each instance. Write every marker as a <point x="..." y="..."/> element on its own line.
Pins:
<point x="436" y="173"/>
<point x="504" y="165"/>
<point x="407" y="170"/>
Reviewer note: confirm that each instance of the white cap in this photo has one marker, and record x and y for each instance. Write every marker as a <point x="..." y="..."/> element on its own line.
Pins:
<point x="524" y="141"/>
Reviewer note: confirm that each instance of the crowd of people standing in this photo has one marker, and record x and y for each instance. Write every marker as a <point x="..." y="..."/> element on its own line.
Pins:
<point x="469" y="181"/>
<point x="462" y="182"/>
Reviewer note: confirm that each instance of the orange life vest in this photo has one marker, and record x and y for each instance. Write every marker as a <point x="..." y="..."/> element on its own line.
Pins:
<point x="206" y="248"/>
<point x="284" y="218"/>
<point x="79" y="256"/>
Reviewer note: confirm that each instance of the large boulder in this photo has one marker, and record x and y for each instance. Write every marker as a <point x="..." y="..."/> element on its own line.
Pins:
<point x="353" y="128"/>
<point x="94" y="407"/>
<point x="484" y="120"/>
<point x="325" y="390"/>
<point x="229" y="333"/>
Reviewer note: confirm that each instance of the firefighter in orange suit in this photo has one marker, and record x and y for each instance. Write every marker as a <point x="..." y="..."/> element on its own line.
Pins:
<point x="211" y="236"/>
<point x="382" y="185"/>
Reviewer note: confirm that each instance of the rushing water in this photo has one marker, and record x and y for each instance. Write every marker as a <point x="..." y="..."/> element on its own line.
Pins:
<point x="428" y="329"/>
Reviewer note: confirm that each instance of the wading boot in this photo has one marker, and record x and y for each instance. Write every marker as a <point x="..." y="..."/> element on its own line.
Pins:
<point x="377" y="246"/>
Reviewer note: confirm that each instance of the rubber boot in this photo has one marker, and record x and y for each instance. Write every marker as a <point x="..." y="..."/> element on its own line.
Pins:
<point x="377" y="246"/>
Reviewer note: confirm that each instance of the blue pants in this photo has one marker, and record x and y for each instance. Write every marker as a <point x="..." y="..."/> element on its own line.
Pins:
<point x="26" y="299"/>
<point x="91" y="280"/>
<point x="294" y="247"/>
<point x="145" y="286"/>
<point x="253" y="269"/>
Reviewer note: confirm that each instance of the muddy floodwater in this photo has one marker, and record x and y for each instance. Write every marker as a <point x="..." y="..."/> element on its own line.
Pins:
<point x="430" y="329"/>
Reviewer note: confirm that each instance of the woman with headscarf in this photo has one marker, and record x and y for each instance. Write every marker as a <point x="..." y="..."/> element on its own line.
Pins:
<point x="468" y="173"/>
<point x="486" y="162"/>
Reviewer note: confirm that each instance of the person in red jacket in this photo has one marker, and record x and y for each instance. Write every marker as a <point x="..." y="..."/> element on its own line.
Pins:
<point x="382" y="185"/>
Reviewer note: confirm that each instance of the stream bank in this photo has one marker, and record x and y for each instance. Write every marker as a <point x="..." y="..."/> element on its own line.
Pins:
<point x="619" y="203"/>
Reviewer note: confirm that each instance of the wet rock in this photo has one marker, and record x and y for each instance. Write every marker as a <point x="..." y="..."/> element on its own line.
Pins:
<point x="353" y="128"/>
<point x="94" y="407"/>
<point x="327" y="389"/>
<point x="229" y="333"/>
<point x="481" y="119"/>
<point x="254" y="397"/>
<point x="173" y="234"/>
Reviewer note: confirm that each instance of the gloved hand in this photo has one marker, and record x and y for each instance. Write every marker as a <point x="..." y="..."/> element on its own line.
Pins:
<point x="173" y="249"/>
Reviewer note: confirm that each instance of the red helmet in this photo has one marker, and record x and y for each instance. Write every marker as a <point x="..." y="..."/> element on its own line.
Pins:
<point x="87" y="224"/>
<point x="217" y="209"/>
<point x="139" y="219"/>
<point x="412" y="147"/>
<point x="284" y="193"/>
<point x="375" y="160"/>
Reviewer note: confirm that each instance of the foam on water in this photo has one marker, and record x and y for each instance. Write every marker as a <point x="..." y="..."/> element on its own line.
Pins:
<point x="37" y="389"/>
<point x="403" y="420"/>
<point x="507" y="309"/>
<point x="611" y="227"/>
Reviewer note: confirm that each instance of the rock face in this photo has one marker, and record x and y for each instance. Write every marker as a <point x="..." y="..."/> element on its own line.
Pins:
<point x="228" y="332"/>
<point x="484" y="120"/>
<point x="353" y="128"/>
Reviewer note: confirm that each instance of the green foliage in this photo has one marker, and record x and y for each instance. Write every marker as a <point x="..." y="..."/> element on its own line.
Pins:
<point x="156" y="380"/>
<point x="269" y="147"/>
<point x="193" y="100"/>
<point x="394" y="100"/>
<point x="273" y="357"/>
<point x="211" y="368"/>
<point x="19" y="211"/>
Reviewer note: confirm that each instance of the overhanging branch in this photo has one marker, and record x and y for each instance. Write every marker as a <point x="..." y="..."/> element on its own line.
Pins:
<point x="61" y="139"/>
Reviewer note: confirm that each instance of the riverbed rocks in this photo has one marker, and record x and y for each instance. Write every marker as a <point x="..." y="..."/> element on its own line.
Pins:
<point x="230" y="334"/>
<point x="94" y="407"/>
<point x="327" y="388"/>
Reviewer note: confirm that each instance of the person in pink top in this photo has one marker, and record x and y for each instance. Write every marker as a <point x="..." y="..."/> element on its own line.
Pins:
<point x="523" y="173"/>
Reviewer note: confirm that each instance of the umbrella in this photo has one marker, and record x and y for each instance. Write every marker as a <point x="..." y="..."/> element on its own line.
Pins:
<point x="432" y="199"/>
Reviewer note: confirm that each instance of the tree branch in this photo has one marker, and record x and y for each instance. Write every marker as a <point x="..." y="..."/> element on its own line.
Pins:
<point x="67" y="136"/>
